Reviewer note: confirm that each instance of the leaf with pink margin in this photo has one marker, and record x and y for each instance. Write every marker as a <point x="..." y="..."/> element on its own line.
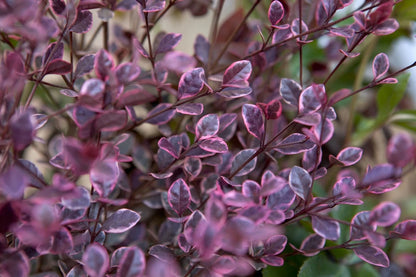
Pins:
<point x="139" y="47"/>
<point x="276" y="217"/>
<point x="312" y="98"/>
<point x="191" y="83"/>
<point x="359" y="223"/>
<point x="58" y="6"/>
<point x="193" y="166"/>
<point x="56" y="51"/>
<point x="298" y="29"/>
<point x="132" y="263"/>
<point x="159" y="116"/>
<point x="183" y="244"/>
<point x="135" y="97"/>
<point x="236" y="199"/>
<point x="253" y="120"/>
<point x="201" y="49"/>
<point x="61" y="242"/>
<point x="168" y="42"/>
<point x="224" y="264"/>
<point x="311" y="243"/>
<point x="207" y="126"/>
<point x="178" y="62"/>
<point x="338" y="96"/>
<point x="83" y="23"/>
<point x="388" y="81"/>
<point x="275" y="245"/>
<point x="103" y="63"/>
<point x="14" y="264"/>
<point x="300" y="182"/>
<point x="58" y="67"/>
<point x="166" y="145"/>
<point x="276" y="12"/>
<point x="214" y="145"/>
<point x="400" y="150"/>
<point x="310" y="119"/>
<point x="350" y="155"/>
<point x="153" y="5"/>
<point x="85" y="65"/>
<point x="290" y="91"/>
<point x="382" y="178"/>
<point x="282" y="33"/>
<point x="235" y="92"/>
<point x="324" y="133"/>
<point x="273" y="260"/>
<point x="386" y="28"/>
<point x="190" y="108"/>
<point x="272" y="185"/>
<point x="281" y="199"/>
<point x="294" y="144"/>
<point x="344" y="190"/>
<point x="111" y="120"/>
<point x="179" y="196"/>
<point x="375" y="239"/>
<point x="79" y="199"/>
<point x="380" y="65"/>
<point x="120" y="221"/>
<point x="385" y="214"/>
<point x="95" y="260"/>
<point x="406" y="230"/>
<point x="77" y="271"/>
<point x="251" y="189"/>
<point x="22" y="129"/>
<point x="127" y="72"/>
<point x="216" y="212"/>
<point x="325" y="227"/>
<point x="240" y="158"/>
<point x="237" y="74"/>
<point x="372" y="255"/>
<point x="104" y="175"/>
<point x="191" y="225"/>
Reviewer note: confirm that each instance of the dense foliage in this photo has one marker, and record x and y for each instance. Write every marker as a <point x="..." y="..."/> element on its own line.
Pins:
<point x="222" y="163"/>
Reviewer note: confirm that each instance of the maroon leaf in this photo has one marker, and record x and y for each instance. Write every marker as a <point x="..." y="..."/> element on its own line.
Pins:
<point x="168" y="42"/>
<point x="153" y="5"/>
<point x="207" y="126"/>
<point x="400" y="150"/>
<point x="135" y="97"/>
<point x="338" y="96"/>
<point x="85" y="65"/>
<point x="385" y="214"/>
<point x="179" y="196"/>
<point x="214" y="145"/>
<point x="22" y="129"/>
<point x="380" y="65"/>
<point x="272" y="260"/>
<point x="312" y="243"/>
<point x="58" y="6"/>
<point x="275" y="245"/>
<point x="103" y="64"/>
<point x="201" y="48"/>
<point x="111" y="120"/>
<point x="159" y="117"/>
<point x="57" y="52"/>
<point x="95" y="260"/>
<point x="190" y="108"/>
<point x="166" y="145"/>
<point x="104" y="175"/>
<point x="120" y="221"/>
<point x="282" y="33"/>
<point x="83" y="23"/>
<point x="294" y="144"/>
<point x="127" y="72"/>
<point x="253" y="119"/>
<point x="132" y="263"/>
<point x="191" y="83"/>
<point x="312" y="98"/>
<point x="59" y="67"/>
<point x="272" y="110"/>
<point x="290" y="91"/>
<point x="276" y="12"/>
<point x="325" y="227"/>
<point x="300" y="182"/>
<point x="237" y="74"/>
<point x="406" y="230"/>
<point x="386" y="28"/>
<point x="372" y="255"/>
<point x="350" y="155"/>
<point x="240" y="159"/>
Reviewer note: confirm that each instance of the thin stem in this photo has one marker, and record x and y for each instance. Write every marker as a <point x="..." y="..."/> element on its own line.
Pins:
<point x="149" y="40"/>
<point x="300" y="44"/>
<point x="105" y="35"/>
<point x="214" y="29"/>
<point x="94" y="35"/>
<point x="159" y="16"/>
<point x="71" y="56"/>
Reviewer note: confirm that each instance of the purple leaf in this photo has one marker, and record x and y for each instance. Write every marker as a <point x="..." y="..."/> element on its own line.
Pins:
<point x="58" y="67"/>
<point x="83" y="22"/>
<point x="272" y="260"/>
<point x="13" y="182"/>
<point x="372" y="255"/>
<point x="240" y="159"/>
<point x="178" y="62"/>
<point x="191" y="83"/>
<point x="290" y="91"/>
<point x="338" y="96"/>
<point x="253" y="119"/>
<point x="207" y="126"/>
<point x="251" y="189"/>
<point x="216" y="212"/>
<point x="139" y="47"/>
<point x="168" y="42"/>
<point x="132" y="263"/>
<point x="162" y="253"/>
<point x="61" y="242"/>
<point x="276" y="12"/>
<point x="85" y="65"/>
<point x="153" y="5"/>
<point x="179" y="196"/>
<point x="406" y="230"/>
<point x="95" y="260"/>
<point x="323" y="133"/>
<point x="22" y="129"/>
<point x="382" y="178"/>
<point x="281" y="199"/>
<point x="191" y="225"/>
<point x="294" y="144"/>
<point x="135" y="97"/>
<point x="76" y="271"/>
<point x="312" y="98"/>
<point x="236" y="199"/>
<point x="400" y="150"/>
<point x="58" y="6"/>
<point x="166" y="145"/>
<point x="298" y="29"/>
<point x="350" y="155"/>
<point x="214" y="145"/>
<point x="56" y="51"/>
<point x="275" y="245"/>
<point x="380" y="65"/>
<point x="325" y="227"/>
<point x="190" y="108"/>
<point x="345" y="191"/>
<point x="312" y="243"/>
<point x="385" y="214"/>
<point x="111" y="120"/>
<point x="193" y="166"/>
<point x="14" y="264"/>
<point x="386" y="28"/>
<point x="224" y="264"/>
<point x="120" y="221"/>
<point x="282" y="33"/>
<point x="159" y="117"/>
<point x="80" y="199"/>
<point x="103" y="64"/>
<point x="300" y="182"/>
<point x="127" y="72"/>
<point x="237" y="74"/>
<point x="104" y="175"/>
<point x="359" y="223"/>
<point x="235" y="92"/>
<point x="201" y="48"/>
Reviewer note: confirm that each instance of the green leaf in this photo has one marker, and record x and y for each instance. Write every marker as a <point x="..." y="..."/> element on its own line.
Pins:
<point x="366" y="270"/>
<point x="405" y="119"/>
<point x="320" y="266"/>
<point x="289" y="269"/>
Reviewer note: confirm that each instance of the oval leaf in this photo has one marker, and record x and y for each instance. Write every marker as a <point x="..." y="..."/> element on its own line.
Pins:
<point x="191" y="83"/>
<point x="253" y="119"/>
<point x="214" y="145"/>
<point x="168" y="42"/>
<point x="179" y="196"/>
<point x="96" y="260"/>
<point x="372" y="255"/>
<point x="350" y="155"/>
<point x="242" y="158"/>
<point x="380" y="65"/>
<point x="327" y="228"/>
<point x="190" y="108"/>
<point x="290" y="91"/>
<point x="161" y="114"/>
<point x="120" y="221"/>
<point x="276" y="12"/>
<point x="207" y="126"/>
<point x="385" y="214"/>
<point x="237" y="74"/>
<point x="132" y="263"/>
<point x="300" y="182"/>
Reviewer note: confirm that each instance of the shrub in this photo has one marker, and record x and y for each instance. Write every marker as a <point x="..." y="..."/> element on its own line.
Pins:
<point x="224" y="162"/>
